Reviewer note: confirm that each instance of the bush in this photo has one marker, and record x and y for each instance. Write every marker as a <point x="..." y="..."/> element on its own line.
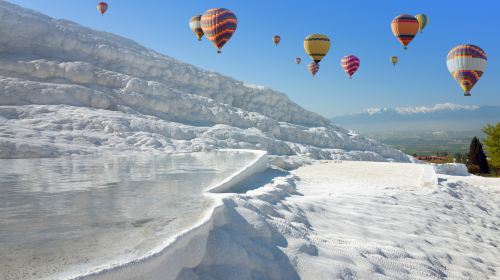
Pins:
<point x="492" y="142"/>
<point x="477" y="156"/>
<point x="474" y="169"/>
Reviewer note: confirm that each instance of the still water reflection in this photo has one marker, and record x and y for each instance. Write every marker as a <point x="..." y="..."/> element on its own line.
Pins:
<point x="78" y="213"/>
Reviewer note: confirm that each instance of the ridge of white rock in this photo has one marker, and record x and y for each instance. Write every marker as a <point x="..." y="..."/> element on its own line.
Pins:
<point x="331" y="221"/>
<point x="67" y="89"/>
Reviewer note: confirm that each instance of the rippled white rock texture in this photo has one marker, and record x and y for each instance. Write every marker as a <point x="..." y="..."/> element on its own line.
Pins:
<point x="67" y="89"/>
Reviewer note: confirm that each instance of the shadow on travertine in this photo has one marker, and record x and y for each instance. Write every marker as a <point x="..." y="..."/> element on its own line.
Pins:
<point x="259" y="180"/>
<point x="239" y="250"/>
<point x="244" y="244"/>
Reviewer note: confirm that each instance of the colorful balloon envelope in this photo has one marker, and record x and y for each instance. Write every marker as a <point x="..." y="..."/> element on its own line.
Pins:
<point x="219" y="25"/>
<point x="350" y="63"/>
<point x="195" y="25"/>
<point x="317" y="46"/>
<point x="394" y="60"/>
<point x="313" y="68"/>
<point x="298" y="60"/>
<point x="467" y="64"/>
<point x="423" y="20"/>
<point x="102" y="7"/>
<point x="405" y="27"/>
<point x="276" y="39"/>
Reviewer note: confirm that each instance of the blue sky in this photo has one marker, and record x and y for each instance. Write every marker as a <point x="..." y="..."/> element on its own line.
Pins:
<point x="359" y="27"/>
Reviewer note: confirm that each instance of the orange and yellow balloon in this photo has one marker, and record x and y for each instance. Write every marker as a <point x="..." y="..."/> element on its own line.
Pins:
<point x="219" y="25"/>
<point x="405" y="27"/>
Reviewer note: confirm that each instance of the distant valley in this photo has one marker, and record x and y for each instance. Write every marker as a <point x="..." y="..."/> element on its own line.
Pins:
<point x="423" y="130"/>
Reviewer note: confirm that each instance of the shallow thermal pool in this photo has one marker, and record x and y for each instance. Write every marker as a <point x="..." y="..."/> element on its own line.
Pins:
<point x="66" y="216"/>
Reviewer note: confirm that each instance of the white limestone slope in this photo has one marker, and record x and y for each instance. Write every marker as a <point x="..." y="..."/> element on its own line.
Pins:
<point x="67" y="89"/>
<point x="356" y="220"/>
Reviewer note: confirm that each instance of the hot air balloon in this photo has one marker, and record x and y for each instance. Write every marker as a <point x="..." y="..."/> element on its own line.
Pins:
<point x="467" y="64"/>
<point x="298" y="60"/>
<point x="405" y="27"/>
<point x="313" y="68"/>
<point x="102" y="7"/>
<point x="317" y="46"/>
<point x="350" y="63"/>
<point x="394" y="60"/>
<point x="423" y="20"/>
<point x="218" y="25"/>
<point x="276" y="39"/>
<point x="195" y="25"/>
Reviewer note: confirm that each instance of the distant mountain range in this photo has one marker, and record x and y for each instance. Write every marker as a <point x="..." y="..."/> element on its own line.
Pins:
<point x="423" y="130"/>
<point x="434" y="118"/>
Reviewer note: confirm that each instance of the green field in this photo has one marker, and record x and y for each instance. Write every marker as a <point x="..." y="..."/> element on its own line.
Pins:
<point x="424" y="143"/>
<point x="428" y="147"/>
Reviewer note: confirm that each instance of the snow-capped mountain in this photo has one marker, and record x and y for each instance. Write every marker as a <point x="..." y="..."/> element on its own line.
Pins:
<point x="445" y="116"/>
<point x="67" y="89"/>
<point x="444" y="107"/>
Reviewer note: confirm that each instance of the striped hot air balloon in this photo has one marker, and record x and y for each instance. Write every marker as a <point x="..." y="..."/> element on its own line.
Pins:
<point x="317" y="46"/>
<point x="423" y="20"/>
<point x="313" y="68"/>
<point x="393" y="59"/>
<point x="467" y="64"/>
<point x="102" y="7"/>
<point x="276" y="39"/>
<point x="298" y="60"/>
<point x="405" y="27"/>
<point x="195" y="25"/>
<point x="350" y="63"/>
<point x="219" y="25"/>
